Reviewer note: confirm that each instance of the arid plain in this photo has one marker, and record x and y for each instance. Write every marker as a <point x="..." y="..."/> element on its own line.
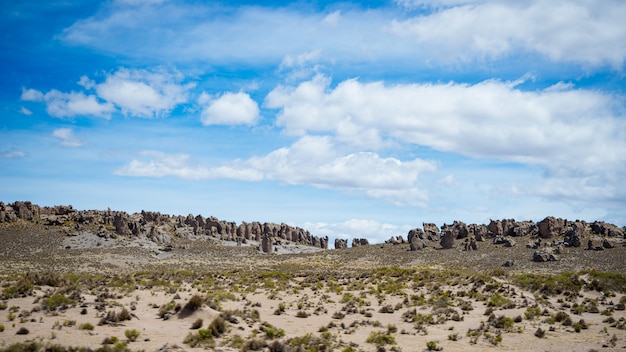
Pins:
<point x="67" y="286"/>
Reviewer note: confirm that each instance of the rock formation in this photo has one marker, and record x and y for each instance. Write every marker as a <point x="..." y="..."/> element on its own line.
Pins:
<point x="447" y="240"/>
<point x="360" y="242"/>
<point x="156" y="226"/>
<point x="339" y="243"/>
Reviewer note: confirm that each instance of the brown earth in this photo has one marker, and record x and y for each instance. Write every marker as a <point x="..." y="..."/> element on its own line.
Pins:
<point x="367" y="298"/>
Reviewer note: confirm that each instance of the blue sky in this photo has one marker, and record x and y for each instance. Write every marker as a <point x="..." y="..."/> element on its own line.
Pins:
<point x="350" y="119"/>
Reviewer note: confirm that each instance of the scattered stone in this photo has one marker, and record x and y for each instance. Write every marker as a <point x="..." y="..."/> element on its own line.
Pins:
<point x="544" y="256"/>
<point x="509" y="263"/>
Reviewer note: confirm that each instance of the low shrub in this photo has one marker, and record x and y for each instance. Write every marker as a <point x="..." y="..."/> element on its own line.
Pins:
<point x="86" y="326"/>
<point x="381" y="338"/>
<point x="131" y="334"/>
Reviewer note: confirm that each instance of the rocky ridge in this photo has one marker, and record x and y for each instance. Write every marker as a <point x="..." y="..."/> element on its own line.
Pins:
<point x="157" y="227"/>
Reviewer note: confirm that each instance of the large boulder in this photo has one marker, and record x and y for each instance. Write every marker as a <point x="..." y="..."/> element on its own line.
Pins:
<point x="470" y="244"/>
<point x="266" y="244"/>
<point x="479" y="231"/>
<point x="417" y="244"/>
<point x="431" y="231"/>
<point x="339" y="243"/>
<point x="551" y="227"/>
<point x="506" y="241"/>
<point x="447" y="240"/>
<point x="458" y="229"/>
<point x="415" y="233"/>
<point x="360" y="242"/>
<point x="544" y="256"/>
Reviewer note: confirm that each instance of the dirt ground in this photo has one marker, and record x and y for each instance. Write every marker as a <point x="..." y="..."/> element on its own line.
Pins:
<point x="91" y="293"/>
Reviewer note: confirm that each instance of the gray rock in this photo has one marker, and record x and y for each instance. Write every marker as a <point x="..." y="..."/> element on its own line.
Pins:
<point x="447" y="240"/>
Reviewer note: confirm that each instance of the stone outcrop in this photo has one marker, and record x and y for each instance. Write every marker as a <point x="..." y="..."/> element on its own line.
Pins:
<point x="266" y="244"/>
<point x="396" y="240"/>
<point x="479" y="232"/>
<point x="544" y="256"/>
<point x="360" y="242"/>
<point x="458" y="229"/>
<point x="339" y="243"/>
<point x="604" y="229"/>
<point x="158" y="227"/>
<point x="510" y="227"/>
<point x="447" y="240"/>
<point x="470" y="244"/>
<point x="551" y="227"/>
<point x="431" y="231"/>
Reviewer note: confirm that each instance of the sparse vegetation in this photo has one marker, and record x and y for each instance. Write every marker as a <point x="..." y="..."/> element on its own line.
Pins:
<point x="353" y="297"/>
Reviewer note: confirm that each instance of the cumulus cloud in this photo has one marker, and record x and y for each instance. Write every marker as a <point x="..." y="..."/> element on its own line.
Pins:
<point x="67" y="137"/>
<point x="143" y="93"/>
<point x="311" y="161"/>
<point x="229" y="109"/>
<point x="316" y="161"/>
<point x="140" y="93"/>
<point x="575" y="136"/>
<point x="71" y="104"/>
<point x="161" y="164"/>
<point x="558" y="129"/>
<point x="31" y="95"/>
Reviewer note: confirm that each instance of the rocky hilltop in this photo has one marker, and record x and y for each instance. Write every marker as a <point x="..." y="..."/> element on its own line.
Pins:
<point x="157" y="227"/>
<point x="549" y="237"/>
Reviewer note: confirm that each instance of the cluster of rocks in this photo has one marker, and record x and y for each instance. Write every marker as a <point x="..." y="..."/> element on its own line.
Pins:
<point x="548" y="237"/>
<point x="158" y="227"/>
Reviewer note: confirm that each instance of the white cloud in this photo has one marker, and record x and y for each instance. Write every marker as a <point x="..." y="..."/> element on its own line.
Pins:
<point x="67" y="137"/>
<point x="313" y="161"/>
<point x="577" y="31"/>
<point x="31" y="95"/>
<point x="570" y="31"/>
<point x="14" y="154"/>
<point x="316" y="161"/>
<point x="25" y="111"/>
<point x="144" y="93"/>
<point x="574" y="135"/>
<point x="301" y="66"/>
<point x="229" y="109"/>
<point x="61" y="104"/>
<point x="374" y="231"/>
<point x="332" y="18"/>
<point x="140" y="93"/>
<point x="557" y="129"/>
<point x="86" y="82"/>
<point x="177" y="165"/>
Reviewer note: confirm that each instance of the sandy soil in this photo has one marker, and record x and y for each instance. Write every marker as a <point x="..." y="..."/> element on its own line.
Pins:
<point x="372" y="298"/>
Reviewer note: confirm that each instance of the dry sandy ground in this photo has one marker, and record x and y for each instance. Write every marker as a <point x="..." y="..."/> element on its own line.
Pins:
<point x="359" y="299"/>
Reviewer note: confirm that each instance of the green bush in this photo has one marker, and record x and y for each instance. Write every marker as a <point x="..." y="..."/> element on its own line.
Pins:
<point x="272" y="332"/>
<point x="432" y="346"/>
<point x="217" y="327"/>
<point x="131" y="334"/>
<point x="194" y="303"/>
<point x="56" y="301"/>
<point x="381" y="338"/>
<point x="86" y="326"/>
